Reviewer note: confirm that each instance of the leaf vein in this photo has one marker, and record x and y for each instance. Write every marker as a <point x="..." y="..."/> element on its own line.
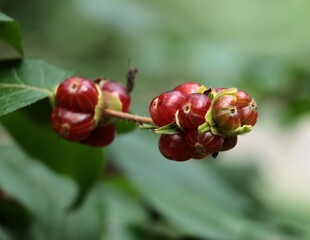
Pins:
<point x="24" y="86"/>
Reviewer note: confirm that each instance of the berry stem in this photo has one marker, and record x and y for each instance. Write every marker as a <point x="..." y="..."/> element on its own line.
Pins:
<point x="128" y="116"/>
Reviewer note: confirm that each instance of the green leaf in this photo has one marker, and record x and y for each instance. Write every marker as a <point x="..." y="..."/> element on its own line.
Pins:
<point x="25" y="82"/>
<point x="4" y="235"/>
<point x="123" y="126"/>
<point x="10" y="33"/>
<point x="86" y="222"/>
<point x="190" y="195"/>
<point x="37" y="138"/>
<point x="123" y="211"/>
<point x="45" y="194"/>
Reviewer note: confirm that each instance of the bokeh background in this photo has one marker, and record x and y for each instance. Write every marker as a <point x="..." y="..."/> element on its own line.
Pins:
<point x="258" y="190"/>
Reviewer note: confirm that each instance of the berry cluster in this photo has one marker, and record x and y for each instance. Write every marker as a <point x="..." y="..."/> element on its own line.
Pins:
<point x="79" y="105"/>
<point x="195" y="121"/>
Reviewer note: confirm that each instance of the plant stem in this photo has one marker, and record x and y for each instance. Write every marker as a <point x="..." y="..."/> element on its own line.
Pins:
<point x="128" y="116"/>
<point x="130" y="77"/>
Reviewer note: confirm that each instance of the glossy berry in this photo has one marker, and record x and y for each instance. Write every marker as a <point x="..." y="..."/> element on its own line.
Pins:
<point x="117" y="90"/>
<point x="192" y="112"/>
<point x="225" y="112"/>
<point x="229" y="143"/>
<point x="163" y="107"/>
<point x="174" y="147"/>
<point x="249" y="114"/>
<point x="203" y="143"/>
<point x="188" y="88"/>
<point x="71" y="125"/>
<point x="243" y="99"/>
<point x="77" y="94"/>
<point x="101" y="136"/>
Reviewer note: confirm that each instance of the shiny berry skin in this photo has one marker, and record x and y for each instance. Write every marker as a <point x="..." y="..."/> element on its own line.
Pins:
<point x="192" y="112"/>
<point x="101" y="136"/>
<point x="243" y="99"/>
<point x="117" y="90"/>
<point x="203" y="143"/>
<point x="225" y="112"/>
<point x="229" y="143"/>
<point x="174" y="147"/>
<point x="163" y="107"/>
<point x="188" y="88"/>
<point x="71" y="125"/>
<point x="249" y="114"/>
<point x="77" y="94"/>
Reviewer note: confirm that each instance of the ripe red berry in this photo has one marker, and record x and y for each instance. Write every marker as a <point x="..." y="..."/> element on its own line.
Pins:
<point x="77" y="94"/>
<point x="163" y="107"/>
<point x="225" y="112"/>
<point x="229" y="143"/>
<point x="188" y="88"/>
<point x="101" y="136"/>
<point x="174" y="147"/>
<point x="71" y="125"/>
<point x="204" y="143"/>
<point x="117" y="90"/>
<point x="249" y="114"/>
<point x="192" y="112"/>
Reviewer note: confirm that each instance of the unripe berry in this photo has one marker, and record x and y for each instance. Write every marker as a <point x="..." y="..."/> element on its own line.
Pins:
<point x="174" y="147"/>
<point x="229" y="143"/>
<point x="192" y="112"/>
<point x="77" y="94"/>
<point x="163" y="107"/>
<point x="243" y="99"/>
<point x="204" y="143"/>
<point x="246" y="106"/>
<point x="117" y="90"/>
<point x="101" y="136"/>
<point x="225" y="112"/>
<point x="71" y="125"/>
<point x="188" y="88"/>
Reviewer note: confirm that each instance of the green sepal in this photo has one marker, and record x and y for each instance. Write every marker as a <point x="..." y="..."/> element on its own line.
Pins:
<point x="171" y="128"/>
<point x="239" y="131"/>
<point x="204" y="127"/>
<point x="99" y="106"/>
<point x="111" y="101"/>
<point x="147" y="126"/>
<point x="202" y="89"/>
<point x="209" y="127"/>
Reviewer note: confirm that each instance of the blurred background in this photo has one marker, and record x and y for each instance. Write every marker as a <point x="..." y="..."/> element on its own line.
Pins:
<point x="258" y="190"/>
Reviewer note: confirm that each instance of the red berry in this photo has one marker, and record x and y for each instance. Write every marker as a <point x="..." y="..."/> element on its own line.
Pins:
<point x="225" y="112"/>
<point x="77" y="94"/>
<point x="71" y="125"/>
<point x="188" y="88"/>
<point x="229" y="143"/>
<point x="243" y="99"/>
<point x="101" y="136"/>
<point x="163" y="107"/>
<point x="204" y="143"/>
<point x="174" y="147"/>
<point x="117" y="90"/>
<point x="192" y="112"/>
<point x="249" y="114"/>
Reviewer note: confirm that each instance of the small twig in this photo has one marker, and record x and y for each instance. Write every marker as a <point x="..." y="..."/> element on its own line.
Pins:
<point x="127" y="116"/>
<point x="130" y="77"/>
